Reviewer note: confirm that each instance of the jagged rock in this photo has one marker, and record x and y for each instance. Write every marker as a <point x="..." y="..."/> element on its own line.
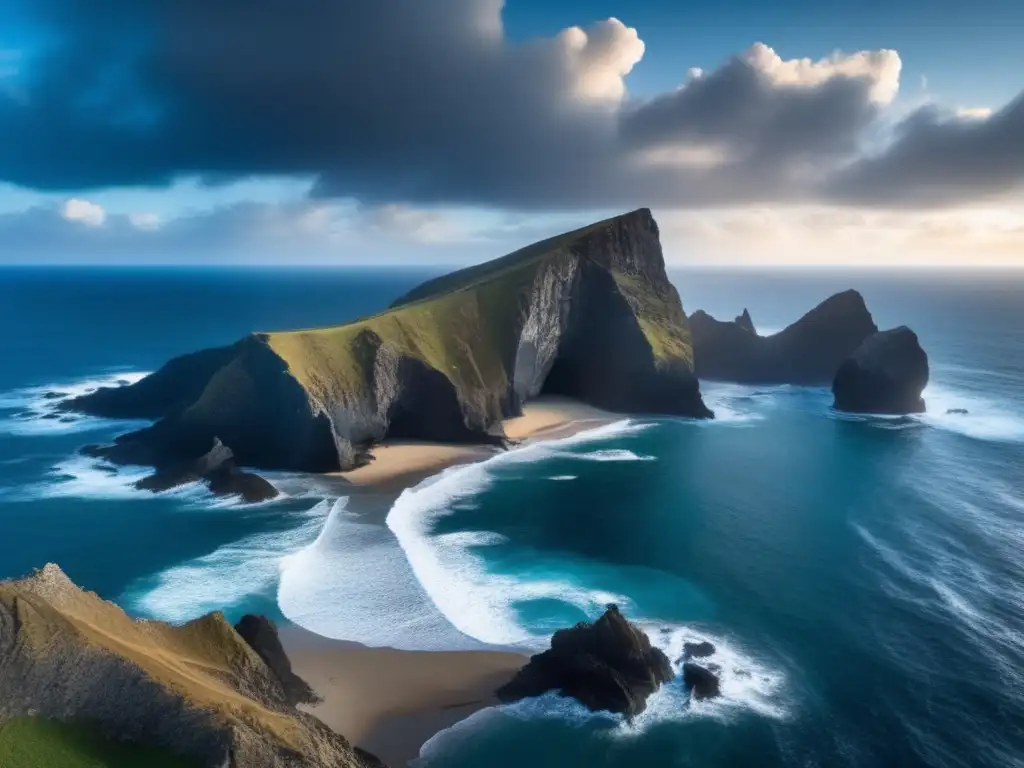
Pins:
<point x="197" y="690"/>
<point x="745" y="322"/>
<point x="959" y="411"/>
<point x="261" y="635"/>
<point x="698" y="650"/>
<point x="608" y="665"/>
<point x="886" y="375"/>
<point x="216" y="467"/>
<point x="590" y="314"/>
<point x="702" y="682"/>
<point x="808" y="352"/>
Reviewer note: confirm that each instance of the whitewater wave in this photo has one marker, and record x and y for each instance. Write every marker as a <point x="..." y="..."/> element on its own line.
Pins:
<point x="226" y="576"/>
<point x="985" y="419"/>
<point x="479" y="604"/>
<point x="736" y="403"/>
<point x="354" y="583"/>
<point x="36" y="410"/>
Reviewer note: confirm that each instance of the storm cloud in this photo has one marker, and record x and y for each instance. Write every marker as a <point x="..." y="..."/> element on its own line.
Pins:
<point x="430" y="103"/>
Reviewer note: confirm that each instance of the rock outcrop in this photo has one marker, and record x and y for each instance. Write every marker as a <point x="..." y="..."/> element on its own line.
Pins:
<point x="216" y="468"/>
<point x="198" y="691"/>
<point x="702" y="682"/>
<point x="808" y="352"/>
<point x="607" y="665"/>
<point x="886" y="375"/>
<point x="590" y="314"/>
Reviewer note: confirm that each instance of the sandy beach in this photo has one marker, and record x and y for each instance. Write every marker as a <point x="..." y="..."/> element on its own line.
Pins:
<point x="391" y="702"/>
<point x="399" y="464"/>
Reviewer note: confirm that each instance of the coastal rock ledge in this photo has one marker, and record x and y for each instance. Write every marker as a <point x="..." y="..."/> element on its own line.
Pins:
<point x="608" y="665"/>
<point x="590" y="314"/>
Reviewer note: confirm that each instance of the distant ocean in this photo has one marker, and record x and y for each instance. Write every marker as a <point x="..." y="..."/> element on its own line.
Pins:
<point x="863" y="579"/>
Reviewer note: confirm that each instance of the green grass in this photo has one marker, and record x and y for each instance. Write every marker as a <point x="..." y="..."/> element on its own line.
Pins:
<point x="35" y="742"/>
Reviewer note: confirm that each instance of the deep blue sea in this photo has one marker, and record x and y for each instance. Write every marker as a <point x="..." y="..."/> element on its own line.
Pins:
<point x="863" y="579"/>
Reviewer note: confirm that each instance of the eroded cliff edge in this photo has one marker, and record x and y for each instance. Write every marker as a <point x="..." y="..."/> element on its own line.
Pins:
<point x="589" y="314"/>
<point x="199" y="691"/>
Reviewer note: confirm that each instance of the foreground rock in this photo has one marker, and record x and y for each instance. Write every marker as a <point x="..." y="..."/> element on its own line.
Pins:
<point x="701" y="681"/>
<point x="216" y="468"/>
<point x="590" y="315"/>
<point x="608" y="665"/>
<point x="886" y="375"/>
<point x="808" y="352"/>
<point x="199" y="690"/>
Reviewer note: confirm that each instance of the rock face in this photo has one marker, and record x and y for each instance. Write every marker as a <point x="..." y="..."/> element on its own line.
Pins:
<point x="608" y="665"/>
<point x="198" y="690"/>
<point x="216" y="467"/>
<point x="886" y="375"/>
<point x="808" y="352"/>
<point x="590" y="314"/>
<point x="261" y="635"/>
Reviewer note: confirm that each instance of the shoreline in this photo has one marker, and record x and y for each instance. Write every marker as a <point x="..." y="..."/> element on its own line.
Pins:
<point x="391" y="702"/>
<point x="399" y="464"/>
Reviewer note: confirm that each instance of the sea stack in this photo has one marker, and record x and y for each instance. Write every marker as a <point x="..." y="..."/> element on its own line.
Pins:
<point x="608" y="665"/>
<point x="886" y="375"/>
<point x="808" y="352"/>
<point x="590" y="314"/>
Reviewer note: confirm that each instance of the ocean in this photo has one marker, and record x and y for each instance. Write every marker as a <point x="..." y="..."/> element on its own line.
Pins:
<point x="861" y="578"/>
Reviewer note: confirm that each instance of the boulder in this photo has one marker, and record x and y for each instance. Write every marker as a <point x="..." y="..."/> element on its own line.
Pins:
<point x="885" y="375"/>
<point x="808" y="352"/>
<point x="701" y="682"/>
<point x="609" y="665"/>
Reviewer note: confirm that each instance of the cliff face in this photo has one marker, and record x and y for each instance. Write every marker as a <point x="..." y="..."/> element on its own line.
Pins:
<point x="590" y="314"/>
<point x="199" y="690"/>
<point x="808" y="352"/>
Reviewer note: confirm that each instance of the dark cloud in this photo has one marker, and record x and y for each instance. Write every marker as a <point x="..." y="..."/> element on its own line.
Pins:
<point x="941" y="159"/>
<point x="406" y="100"/>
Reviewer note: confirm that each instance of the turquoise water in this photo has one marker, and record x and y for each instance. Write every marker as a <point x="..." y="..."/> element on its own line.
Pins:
<point x="862" y="579"/>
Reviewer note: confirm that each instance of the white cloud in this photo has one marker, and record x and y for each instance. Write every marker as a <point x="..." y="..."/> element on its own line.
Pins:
<point x="84" y="212"/>
<point x="881" y="67"/>
<point x="600" y="57"/>
<point x="144" y="221"/>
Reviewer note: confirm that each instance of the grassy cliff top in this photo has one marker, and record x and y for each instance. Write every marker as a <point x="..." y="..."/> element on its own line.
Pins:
<point x="459" y="324"/>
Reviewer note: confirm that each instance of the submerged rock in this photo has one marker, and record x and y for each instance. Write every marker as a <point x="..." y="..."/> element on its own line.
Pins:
<point x="216" y="467"/>
<point x="590" y="314"/>
<point x="701" y="681"/>
<point x="886" y="375"/>
<point x="958" y="411"/>
<point x="607" y="665"/>
<point x="808" y="352"/>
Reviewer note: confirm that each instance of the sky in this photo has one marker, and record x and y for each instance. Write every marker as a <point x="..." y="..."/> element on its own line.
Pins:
<point x="451" y="131"/>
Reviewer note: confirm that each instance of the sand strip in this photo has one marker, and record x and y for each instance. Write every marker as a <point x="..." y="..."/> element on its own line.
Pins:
<point x="391" y="702"/>
<point x="399" y="464"/>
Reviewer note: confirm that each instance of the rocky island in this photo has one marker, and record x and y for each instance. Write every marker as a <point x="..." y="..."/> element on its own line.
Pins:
<point x="590" y="314"/>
